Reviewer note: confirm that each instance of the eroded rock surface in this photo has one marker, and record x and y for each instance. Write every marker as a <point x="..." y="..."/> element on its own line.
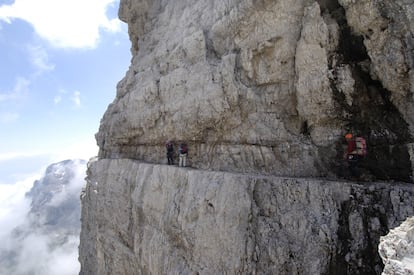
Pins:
<point x="156" y="219"/>
<point x="268" y="86"/>
<point x="397" y="249"/>
<point x="262" y="92"/>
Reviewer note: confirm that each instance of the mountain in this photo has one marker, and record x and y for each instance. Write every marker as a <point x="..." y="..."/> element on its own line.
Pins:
<point x="51" y="230"/>
<point x="269" y="87"/>
<point x="55" y="204"/>
<point x="263" y="92"/>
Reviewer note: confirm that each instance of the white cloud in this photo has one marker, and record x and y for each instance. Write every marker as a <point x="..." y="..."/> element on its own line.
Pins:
<point x="19" y="91"/>
<point x="64" y="23"/>
<point x="73" y="188"/>
<point x="64" y="259"/>
<point x="16" y="155"/>
<point x="40" y="59"/>
<point x="82" y="149"/>
<point x="76" y="98"/>
<point x="14" y="205"/>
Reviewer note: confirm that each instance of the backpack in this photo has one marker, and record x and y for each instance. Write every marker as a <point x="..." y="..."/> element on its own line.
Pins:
<point x="183" y="148"/>
<point x="361" y="146"/>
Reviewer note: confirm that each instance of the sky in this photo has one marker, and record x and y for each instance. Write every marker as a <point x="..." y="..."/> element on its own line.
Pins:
<point x="60" y="62"/>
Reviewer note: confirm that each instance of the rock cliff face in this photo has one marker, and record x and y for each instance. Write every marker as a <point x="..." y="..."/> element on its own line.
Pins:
<point x="155" y="219"/>
<point x="267" y="86"/>
<point x="263" y="92"/>
<point x="397" y="249"/>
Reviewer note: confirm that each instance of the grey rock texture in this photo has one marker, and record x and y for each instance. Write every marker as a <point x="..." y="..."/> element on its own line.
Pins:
<point x="155" y="219"/>
<point x="397" y="249"/>
<point x="268" y="86"/>
<point x="263" y="93"/>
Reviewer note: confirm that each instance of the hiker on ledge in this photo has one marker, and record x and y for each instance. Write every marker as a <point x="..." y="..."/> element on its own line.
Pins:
<point x="355" y="152"/>
<point x="170" y="152"/>
<point x="182" y="153"/>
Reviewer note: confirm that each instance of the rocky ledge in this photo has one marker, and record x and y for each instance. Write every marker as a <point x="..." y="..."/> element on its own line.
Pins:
<point x="142" y="218"/>
<point x="263" y="93"/>
<point x="267" y="86"/>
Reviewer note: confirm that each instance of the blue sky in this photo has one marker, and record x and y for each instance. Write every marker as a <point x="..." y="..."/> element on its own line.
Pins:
<point x="60" y="61"/>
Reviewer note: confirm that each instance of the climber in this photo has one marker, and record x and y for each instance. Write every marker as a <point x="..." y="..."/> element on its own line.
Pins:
<point x="182" y="152"/>
<point x="355" y="152"/>
<point x="170" y="152"/>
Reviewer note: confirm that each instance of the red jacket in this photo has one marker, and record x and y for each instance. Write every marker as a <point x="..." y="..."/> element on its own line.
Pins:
<point x="351" y="147"/>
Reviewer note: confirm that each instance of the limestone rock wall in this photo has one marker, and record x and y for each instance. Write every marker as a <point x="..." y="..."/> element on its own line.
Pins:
<point x="397" y="249"/>
<point x="263" y="92"/>
<point x="266" y="86"/>
<point x="155" y="219"/>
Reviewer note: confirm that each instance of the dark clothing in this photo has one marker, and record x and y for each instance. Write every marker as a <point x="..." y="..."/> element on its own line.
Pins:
<point x="353" y="159"/>
<point x="170" y="153"/>
<point x="170" y="159"/>
<point x="182" y="149"/>
<point x="353" y="165"/>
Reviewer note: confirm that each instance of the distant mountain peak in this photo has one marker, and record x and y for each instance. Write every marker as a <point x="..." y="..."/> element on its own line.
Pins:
<point x="52" y="225"/>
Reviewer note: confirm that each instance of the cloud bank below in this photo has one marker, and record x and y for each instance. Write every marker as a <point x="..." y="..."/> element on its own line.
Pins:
<point x="30" y="245"/>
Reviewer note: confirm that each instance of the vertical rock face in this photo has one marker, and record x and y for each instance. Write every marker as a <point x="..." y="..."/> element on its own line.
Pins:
<point x="262" y="92"/>
<point x="397" y="249"/>
<point x="267" y="86"/>
<point x="155" y="219"/>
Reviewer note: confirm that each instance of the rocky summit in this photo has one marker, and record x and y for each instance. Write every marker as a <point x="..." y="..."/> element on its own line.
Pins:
<point x="263" y="93"/>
